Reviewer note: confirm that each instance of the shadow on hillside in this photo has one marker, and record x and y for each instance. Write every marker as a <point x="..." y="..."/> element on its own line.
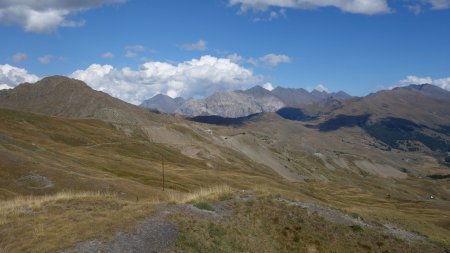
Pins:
<point x="397" y="133"/>
<point x="222" y="121"/>
<point x="342" y="121"/>
<point x="294" y="114"/>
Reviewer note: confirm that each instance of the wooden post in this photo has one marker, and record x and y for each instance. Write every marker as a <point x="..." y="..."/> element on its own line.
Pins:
<point x="162" y="171"/>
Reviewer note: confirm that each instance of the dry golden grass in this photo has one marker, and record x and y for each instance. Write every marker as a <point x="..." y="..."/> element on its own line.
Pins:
<point x="265" y="225"/>
<point x="20" y="205"/>
<point x="425" y="217"/>
<point x="203" y="194"/>
<point x="53" y="222"/>
<point x="83" y="157"/>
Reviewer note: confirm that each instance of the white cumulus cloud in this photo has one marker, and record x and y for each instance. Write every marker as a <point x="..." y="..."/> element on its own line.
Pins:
<point x="197" y="46"/>
<point x="194" y="78"/>
<point x="46" y="59"/>
<point x="439" y="4"/>
<point x="268" y="60"/>
<point x="235" y="58"/>
<point x="321" y="88"/>
<point x="444" y="83"/>
<point x="133" y="51"/>
<point x="20" y="57"/>
<point x="42" y="16"/>
<point x="415" y="80"/>
<point x="367" y="7"/>
<point x="11" y="76"/>
<point x="274" y="59"/>
<point x="268" y="86"/>
<point x="418" y="7"/>
<point x="108" y="55"/>
<point x="5" y="87"/>
<point x="277" y="14"/>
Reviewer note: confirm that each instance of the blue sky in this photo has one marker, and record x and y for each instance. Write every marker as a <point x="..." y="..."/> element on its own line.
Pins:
<point x="193" y="48"/>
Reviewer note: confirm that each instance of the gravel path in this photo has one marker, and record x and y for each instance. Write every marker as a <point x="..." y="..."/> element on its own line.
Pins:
<point x="152" y="235"/>
<point x="155" y="234"/>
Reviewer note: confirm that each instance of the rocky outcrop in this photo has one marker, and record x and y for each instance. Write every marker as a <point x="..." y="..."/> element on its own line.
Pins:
<point x="230" y="105"/>
<point x="235" y="104"/>
<point x="163" y="103"/>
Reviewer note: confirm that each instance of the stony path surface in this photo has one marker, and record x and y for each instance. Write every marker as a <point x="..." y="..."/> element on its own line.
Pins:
<point x="152" y="235"/>
<point x="155" y="234"/>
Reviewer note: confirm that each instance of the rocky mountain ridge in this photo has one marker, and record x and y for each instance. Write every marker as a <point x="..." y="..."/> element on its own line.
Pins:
<point x="61" y="96"/>
<point x="242" y="103"/>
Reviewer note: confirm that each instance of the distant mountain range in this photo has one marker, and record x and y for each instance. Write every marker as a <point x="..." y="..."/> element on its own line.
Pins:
<point x="415" y="117"/>
<point x="236" y="104"/>
<point x="424" y="104"/>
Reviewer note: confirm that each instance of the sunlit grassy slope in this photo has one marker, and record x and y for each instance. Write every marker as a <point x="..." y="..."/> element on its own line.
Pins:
<point x="94" y="178"/>
<point x="42" y="155"/>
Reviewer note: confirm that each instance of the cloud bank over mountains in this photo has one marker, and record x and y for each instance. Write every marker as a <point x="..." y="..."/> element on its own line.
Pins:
<point x="194" y="78"/>
<point x="444" y="83"/>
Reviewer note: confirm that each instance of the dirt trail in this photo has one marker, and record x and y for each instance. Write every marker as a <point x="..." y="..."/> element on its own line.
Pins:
<point x="157" y="234"/>
<point x="154" y="234"/>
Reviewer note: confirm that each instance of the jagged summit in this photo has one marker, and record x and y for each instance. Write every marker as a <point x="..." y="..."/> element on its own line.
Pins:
<point x="230" y="105"/>
<point x="242" y="103"/>
<point x="163" y="103"/>
<point x="257" y="91"/>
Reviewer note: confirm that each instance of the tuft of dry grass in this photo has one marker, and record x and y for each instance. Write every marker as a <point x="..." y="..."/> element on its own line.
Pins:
<point x="265" y="225"/>
<point x="217" y="192"/>
<point x="27" y="204"/>
<point x="53" y="222"/>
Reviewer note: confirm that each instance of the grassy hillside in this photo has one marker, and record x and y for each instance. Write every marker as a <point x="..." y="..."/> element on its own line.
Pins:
<point x="62" y="175"/>
<point x="268" y="225"/>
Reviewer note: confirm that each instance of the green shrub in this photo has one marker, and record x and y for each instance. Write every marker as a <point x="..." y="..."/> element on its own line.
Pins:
<point x="356" y="228"/>
<point x="226" y="196"/>
<point x="204" y="206"/>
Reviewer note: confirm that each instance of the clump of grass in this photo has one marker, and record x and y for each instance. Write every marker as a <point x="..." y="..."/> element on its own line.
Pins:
<point x="272" y="226"/>
<point x="226" y="196"/>
<point x="204" y="206"/>
<point x="53" y="222"/>
<point x="356" y="228"/>
<point x="25" y="204"/>
<point x="219" y="192"/>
